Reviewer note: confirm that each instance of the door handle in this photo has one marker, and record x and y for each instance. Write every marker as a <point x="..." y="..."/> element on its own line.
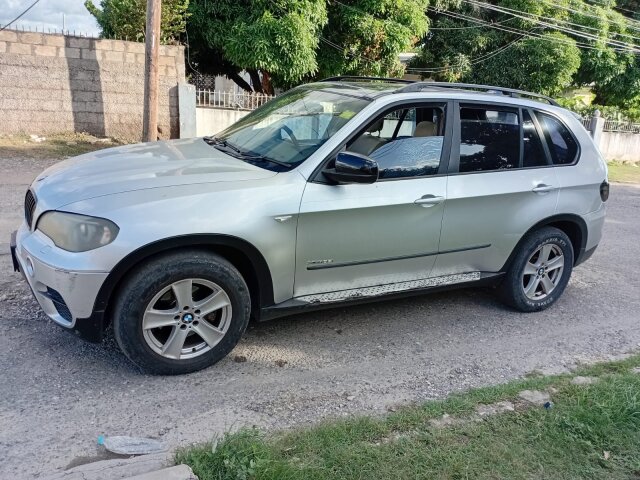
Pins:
<point x="429" y="201"/>
<point x="542" y="188"/>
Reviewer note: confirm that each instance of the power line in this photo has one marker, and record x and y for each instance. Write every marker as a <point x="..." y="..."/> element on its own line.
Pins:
<point x="571" y="31"/>
<point x="19" y="16"/>
<point x="342" y="49"/>
<point x="613" y="7"/>
<point x="530" y="34"/>
<point x="529" y="18"/>
<point x="628" y="20"/>
<point x="629" y="47"/>
<point x="470" y="26"/>
<point x="508" y="11"/>
<point x="473" y="61"/>
<point x="442" y="68"/>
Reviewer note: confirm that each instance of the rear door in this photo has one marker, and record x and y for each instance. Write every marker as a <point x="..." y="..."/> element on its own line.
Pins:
<point x="358" y="236"/>
<point x="501" y="182"/>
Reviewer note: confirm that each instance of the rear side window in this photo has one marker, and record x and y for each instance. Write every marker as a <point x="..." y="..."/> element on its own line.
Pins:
<point x="489" y="139"/>
<point x="533" y="154"/>
<point x="562" y="145"/>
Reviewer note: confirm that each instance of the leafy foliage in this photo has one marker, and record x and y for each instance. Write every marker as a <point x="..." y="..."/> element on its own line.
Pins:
<point x="535" y="64"/>
<point x="292" y="41"/>
<point x="276" y="37"/>
<point x="547" y="47"/>
<point x="127" y="18"/>
<point x="365" y="37"/>
<point x="612" y="112"/>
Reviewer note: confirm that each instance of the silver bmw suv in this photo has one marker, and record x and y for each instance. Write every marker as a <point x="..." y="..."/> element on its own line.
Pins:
<point x="341" y="191"/>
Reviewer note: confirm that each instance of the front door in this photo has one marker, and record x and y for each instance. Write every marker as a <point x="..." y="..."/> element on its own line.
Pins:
<point x="356" y="236"/>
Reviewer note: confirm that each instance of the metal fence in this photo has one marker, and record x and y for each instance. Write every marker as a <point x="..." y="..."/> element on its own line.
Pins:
<point x="613" y="125"/>
<point x="231" y="100"/>
<point x="586" y="121"/>
<point x="618" y="126"/>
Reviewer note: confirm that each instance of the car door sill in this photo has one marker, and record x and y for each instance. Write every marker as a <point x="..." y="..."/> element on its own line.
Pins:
<point x="308" y="303"/>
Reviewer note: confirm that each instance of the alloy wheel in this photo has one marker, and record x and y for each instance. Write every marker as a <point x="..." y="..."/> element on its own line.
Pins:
<point x="543" y="271"/>
<point x="187" y="318"/>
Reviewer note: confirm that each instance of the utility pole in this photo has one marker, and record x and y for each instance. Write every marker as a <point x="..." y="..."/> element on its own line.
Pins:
<point x="152" y="43"/>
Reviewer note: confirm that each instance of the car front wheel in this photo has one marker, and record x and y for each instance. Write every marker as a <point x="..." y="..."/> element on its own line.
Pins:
<point x="181" y="312"/>
<point x="539" y="272"/>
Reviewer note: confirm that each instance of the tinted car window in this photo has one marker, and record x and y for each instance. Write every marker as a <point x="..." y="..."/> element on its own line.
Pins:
<point x="562" y="145"/>
<point x="489" y="139"/>
<point x="406" y="142"/>
<point x="533" y="153"/>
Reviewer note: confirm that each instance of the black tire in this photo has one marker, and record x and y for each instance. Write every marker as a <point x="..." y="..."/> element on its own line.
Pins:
<point x="512" y="289"/>
<point x="147" y="280"/>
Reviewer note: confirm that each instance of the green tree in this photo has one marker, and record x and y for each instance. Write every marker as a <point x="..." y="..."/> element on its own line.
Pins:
<point x="273" y="40"/>
<point x="365" y="37"/>
<point x="127" y="18"/>
<point x="288" y="42"/>
<point x="613" y="74"/>
<point x="540" y="45"/>
<point x="545" y="65"/>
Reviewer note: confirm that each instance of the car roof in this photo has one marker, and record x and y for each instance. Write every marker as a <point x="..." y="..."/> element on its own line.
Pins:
<point x="373" y="87"/>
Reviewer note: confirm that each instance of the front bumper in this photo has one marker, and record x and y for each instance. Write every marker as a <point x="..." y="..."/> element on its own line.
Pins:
<point x="66" y="296"/>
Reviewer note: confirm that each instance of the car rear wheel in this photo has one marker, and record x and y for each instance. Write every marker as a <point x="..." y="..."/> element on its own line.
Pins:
<point x="540" y="271"/>
<point x="181" y="312"/>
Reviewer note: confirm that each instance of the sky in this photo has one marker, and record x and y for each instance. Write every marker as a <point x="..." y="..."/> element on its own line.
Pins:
<point x="49" y="14"/>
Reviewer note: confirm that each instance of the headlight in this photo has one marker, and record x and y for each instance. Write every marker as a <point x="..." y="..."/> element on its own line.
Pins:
<point x="77" y="233"/>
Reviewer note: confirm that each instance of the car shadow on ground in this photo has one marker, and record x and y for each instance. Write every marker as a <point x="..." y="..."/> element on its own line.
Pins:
<point x="328" y="331"/>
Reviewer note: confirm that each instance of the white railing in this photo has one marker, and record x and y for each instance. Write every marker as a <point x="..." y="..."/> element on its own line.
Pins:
<point x="618" y="126"/>
<point x="613" y="125"/>
<point x="231" y="100"/>
<point x="586" y="121"/>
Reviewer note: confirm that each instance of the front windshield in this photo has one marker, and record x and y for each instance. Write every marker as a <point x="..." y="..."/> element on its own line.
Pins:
<point x="285" y="131"/>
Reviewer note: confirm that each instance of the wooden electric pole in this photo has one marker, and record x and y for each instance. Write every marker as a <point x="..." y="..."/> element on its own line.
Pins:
<point x="152" y="43"/>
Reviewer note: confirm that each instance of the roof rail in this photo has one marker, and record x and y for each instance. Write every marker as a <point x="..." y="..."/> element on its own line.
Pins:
<point x="352" y="78"/>
<point x="418" y="86"/>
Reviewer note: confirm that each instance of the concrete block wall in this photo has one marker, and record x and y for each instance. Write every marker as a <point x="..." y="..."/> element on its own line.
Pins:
<point x="619" y="146"/>
<point x="51" y="83"/>
<point x="210" y="121"/>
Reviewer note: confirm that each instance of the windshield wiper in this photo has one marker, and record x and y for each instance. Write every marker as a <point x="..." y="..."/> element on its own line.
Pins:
<point x="242" y="155"/>
<point x="262" y="158"/>
<point x="212" y="140"/>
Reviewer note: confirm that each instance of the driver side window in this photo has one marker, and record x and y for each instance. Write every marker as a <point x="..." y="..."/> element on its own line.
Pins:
<point x="406" y="142"/>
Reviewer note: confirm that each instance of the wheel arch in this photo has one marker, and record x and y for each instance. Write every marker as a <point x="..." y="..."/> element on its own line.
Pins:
<point x="572" y="225"/>
<point x="242" y="254"/>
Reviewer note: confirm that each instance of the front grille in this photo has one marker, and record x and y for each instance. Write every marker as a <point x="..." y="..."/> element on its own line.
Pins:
<point x="29" y="207"/>
<point x="59" y="303"/>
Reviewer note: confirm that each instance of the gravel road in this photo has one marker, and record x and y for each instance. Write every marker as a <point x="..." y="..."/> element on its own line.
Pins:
<point x="58" y="393"/>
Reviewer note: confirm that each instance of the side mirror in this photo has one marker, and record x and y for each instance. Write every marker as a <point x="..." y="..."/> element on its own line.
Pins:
<point x="352" y="168"/>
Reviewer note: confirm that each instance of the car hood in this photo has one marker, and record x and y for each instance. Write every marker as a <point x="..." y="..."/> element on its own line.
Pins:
<point x="140" y="166"/>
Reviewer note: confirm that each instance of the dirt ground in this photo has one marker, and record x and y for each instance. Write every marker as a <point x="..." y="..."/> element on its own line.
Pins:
<point x="58" y="393"/>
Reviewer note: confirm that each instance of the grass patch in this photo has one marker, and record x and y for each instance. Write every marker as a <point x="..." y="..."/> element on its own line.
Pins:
<point x="593" y="431"/>
<point x="624" y="172"/>
<point x="59" y="146"/>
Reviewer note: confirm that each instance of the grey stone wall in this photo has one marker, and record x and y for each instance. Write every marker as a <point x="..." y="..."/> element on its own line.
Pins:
<point x="51" y="83"/>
